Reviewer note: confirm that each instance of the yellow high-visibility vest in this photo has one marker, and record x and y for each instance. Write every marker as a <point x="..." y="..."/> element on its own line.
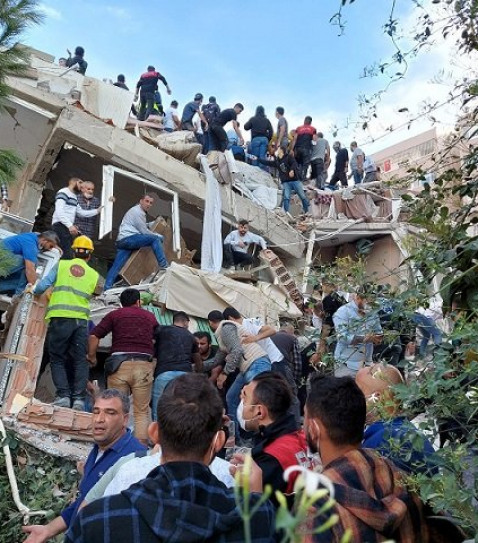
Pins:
<point x="74" y="286"/>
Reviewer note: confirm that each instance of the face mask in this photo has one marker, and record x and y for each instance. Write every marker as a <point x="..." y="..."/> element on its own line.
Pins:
<point x="240" y="416"/>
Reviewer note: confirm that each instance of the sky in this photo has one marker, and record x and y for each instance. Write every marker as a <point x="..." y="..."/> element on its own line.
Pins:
<point x="259" y="52"/>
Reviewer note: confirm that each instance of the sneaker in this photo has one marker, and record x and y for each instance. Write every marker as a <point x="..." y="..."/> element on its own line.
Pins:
<point x="61" y="402"/>
<point x="78" y="405"/>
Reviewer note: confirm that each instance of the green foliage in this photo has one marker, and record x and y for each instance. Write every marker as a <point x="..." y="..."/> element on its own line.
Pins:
<point x="44" y="482"/>
<point x="10" y="163"/>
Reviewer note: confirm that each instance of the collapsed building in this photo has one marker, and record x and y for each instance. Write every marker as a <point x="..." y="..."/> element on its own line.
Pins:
<point x="63" y="123"/>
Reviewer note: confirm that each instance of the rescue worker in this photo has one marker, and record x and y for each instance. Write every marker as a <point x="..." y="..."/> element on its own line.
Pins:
<point x="73" y="283"/>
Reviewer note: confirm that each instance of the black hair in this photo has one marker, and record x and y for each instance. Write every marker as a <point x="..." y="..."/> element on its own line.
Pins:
<point x="340" y="406"/>
<point x="79" y="51"/>
<point x="109" y="393"/>
<point x="243" y="222"/>
<point x="151" y="68"/>
<point x="174" y="103"/>
<point x="180" y="316"/>
<point x="129" y="297"/>
<point x="240" y="106"/>
<point x="121" y="78"/>
<point x="273" y="391"/>
<point x="215" y="316"/>
<point x="280" y="110"/>
<point x="260" y="111"/>
<point x="201" y="335"/>
<point x="189" y="413"/>
<point x="231" y="312"/>
<point x="308" y="119"/>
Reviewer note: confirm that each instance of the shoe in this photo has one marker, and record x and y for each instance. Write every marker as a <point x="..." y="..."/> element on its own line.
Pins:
<point x="78" y="405"/>
<point x="61" y="402"/>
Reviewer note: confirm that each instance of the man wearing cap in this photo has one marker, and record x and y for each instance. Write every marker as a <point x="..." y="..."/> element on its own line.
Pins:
<point x="73" y="282"/>
<point x="129" y="368"/>
<point x="358" y="330"/>
<point x="177" y="352"/>
<point x="22" y="251"/>
<point x="190" y="109"/>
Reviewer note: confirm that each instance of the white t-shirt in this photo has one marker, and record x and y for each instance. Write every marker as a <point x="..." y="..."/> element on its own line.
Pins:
<point x="138" y="469"/>
<point x="252" y="326"/>
<point x="168" y="121"/>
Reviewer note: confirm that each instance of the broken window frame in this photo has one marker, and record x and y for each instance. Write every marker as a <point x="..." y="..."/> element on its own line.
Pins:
<point x="107" y="193"/>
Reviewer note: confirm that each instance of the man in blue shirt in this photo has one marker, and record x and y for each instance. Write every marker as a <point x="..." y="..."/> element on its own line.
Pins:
<point x="358" y="330"/>
<point x="23" y="252"/>
<point x="113" y="440"/>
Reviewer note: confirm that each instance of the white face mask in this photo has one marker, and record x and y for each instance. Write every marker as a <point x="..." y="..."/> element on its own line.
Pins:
<point x="240" y="415"/>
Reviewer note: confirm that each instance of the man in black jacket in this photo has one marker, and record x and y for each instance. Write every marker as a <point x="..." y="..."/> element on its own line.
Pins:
<point x="77" y="59"/>
<point x="289" y="177"/>
<point x="261" y="134"/>
<point x="146" y="87"/>
<point x="278" y="441"/>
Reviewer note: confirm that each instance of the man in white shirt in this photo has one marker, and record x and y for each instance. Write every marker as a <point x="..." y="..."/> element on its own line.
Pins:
<point x="66" y="210"/>
<point x="171" y="121"/>
<point x="356" y="163"/>
<point x="237" y="243"/>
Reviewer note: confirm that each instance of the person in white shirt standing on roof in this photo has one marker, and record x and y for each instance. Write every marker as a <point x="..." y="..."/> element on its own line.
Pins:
<point x="237" y="244"/>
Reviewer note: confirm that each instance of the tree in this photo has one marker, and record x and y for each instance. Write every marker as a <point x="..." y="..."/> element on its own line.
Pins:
<point x="444" y="253"/>
<point x="15" y="17"/>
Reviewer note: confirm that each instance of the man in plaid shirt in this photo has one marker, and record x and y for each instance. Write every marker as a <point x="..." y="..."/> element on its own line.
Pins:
<point x="86" y="200"/>
<point x="180" y="500"/>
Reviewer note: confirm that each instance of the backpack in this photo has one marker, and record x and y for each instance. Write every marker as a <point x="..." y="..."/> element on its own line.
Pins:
<point x="211" y="111"/>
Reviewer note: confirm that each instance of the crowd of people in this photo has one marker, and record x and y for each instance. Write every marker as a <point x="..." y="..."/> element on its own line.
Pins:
<point x="204" y="400"/>
<point x="300" y="155"/>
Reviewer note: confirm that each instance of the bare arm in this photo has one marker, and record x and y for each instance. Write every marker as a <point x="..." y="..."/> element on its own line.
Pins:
<point x="294" y="141"/>
<point x="237" y="130"/>
<point x="93" y="342"/>
<point x="30" y="272"/>
<point x="42" y="533"/>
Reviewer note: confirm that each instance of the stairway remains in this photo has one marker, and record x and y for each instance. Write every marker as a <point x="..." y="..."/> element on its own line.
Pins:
<point x="284" y="279"/>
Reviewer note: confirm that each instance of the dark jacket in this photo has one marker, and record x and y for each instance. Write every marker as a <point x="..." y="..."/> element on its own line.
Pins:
<point x="179" y="502"/>
<point x="148" y="82"/>
<point x="260" y="127"/>
<point x="274" y="460"/>
<point x="283" y="165"/>
<point x="71" y="61"/>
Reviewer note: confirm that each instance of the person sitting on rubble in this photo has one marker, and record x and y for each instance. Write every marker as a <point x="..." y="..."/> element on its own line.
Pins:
<point x="388" y="431"/>
<point x="68" y="311"/>
<point x="77" y="59"/>
<point x="66" y="210"/>
<point x="87" y="200"/>
<point x="134" y="233"/>
<point x="237" y="243"/>
<point x="180" y="500"/>
<point x="146" y="88"/>
<point x="21" y="258"/>
<point x="113" y="440"/>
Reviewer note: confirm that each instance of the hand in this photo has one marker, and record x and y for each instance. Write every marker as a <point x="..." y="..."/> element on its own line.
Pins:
<point x="291" y="174"/>
<point x="69" y="52"/>
<point x="221" y="380"/>
<point x="73" y="230"/>
<point x="241" y="244"/>
<point x="254" y="473"/>
<point x="168" y="90"/>
<point x="135" y="98"/>
<point x="37" y="533"/>
<point x="112" y="199"/>
<point x="29" y="288"/>
<point x="99" y="209"/>
<point x="249" y="339"/>
<point x="314" y="360"/>
<point x="92" y="361"/>
<point x="215" y="372"/>
<point x="241" y="142"/>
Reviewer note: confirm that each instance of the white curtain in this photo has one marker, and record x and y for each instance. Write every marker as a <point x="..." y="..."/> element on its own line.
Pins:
<point x="211" y="245"/>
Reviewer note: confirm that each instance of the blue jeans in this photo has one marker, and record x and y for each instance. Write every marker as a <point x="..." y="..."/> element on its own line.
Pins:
<point x="16" y="280"/>
<point x="358" y="176"/>
<point x="259" y="149"/>
<point x="294" y="186"/>
<point x="233" y="396"/>
<point x="160" y="383"/>
<point x="129" y="244"/>
<point x="428" y="329"/>
<point x="67" y="339"/>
